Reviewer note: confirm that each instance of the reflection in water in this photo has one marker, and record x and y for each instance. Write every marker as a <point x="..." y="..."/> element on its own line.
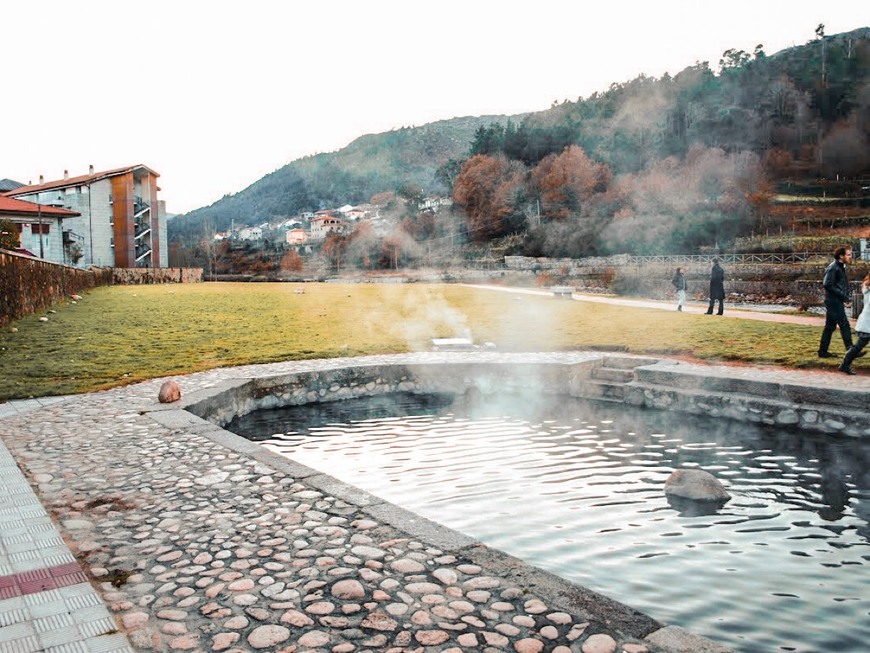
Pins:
<point x="577" y="488"/>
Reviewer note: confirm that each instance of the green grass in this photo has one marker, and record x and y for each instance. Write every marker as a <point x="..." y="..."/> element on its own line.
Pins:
<point x="124" y="334"/>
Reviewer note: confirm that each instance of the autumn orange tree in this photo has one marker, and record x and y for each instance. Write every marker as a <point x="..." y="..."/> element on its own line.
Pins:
<point x="565" y="181"/>
<point x="334" y="248"/>
<point x="292" y="262"/>
<point x="491" y="190"/>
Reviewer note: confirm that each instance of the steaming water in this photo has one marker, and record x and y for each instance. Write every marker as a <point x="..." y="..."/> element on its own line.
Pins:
<point x="575" y="487"/>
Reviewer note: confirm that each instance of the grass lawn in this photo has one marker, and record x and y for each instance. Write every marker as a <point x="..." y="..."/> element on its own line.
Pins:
<point x="123" y="334"/>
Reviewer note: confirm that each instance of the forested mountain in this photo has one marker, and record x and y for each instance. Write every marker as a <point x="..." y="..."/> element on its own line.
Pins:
<point x="668" y="164"/>
<point x="370" y="164"/>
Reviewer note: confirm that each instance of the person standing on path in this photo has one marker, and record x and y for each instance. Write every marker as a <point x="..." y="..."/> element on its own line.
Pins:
<point x="862" y="327"/>
<point x="717" y="287"/>
<point x="679" y="282"/>
<point x="836" y="284"/>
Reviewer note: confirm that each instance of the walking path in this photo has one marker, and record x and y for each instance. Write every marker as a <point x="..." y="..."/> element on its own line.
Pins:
<point x="752" y="312"/>
<point x="191" y="544"/>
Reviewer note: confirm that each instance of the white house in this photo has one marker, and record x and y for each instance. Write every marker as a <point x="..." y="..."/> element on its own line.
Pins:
<point x="39" y="229"/>
<point x="251" y="233"/>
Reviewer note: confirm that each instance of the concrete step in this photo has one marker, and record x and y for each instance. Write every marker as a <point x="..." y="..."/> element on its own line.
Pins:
<point x="628" y="362"/>
<point x="602" y="391"/>
<point x="613" y="374"/>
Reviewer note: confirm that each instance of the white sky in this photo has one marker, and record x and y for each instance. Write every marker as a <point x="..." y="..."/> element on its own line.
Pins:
<point x="214" y="95"/>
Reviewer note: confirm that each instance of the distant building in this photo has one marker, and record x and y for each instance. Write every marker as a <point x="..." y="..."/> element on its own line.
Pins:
<point x="297" y="236"/>
<point x="39" y="229"/>
<point x="9" y="184"/>
<point x="322" y="225"/>
<point x="433" y="203"/>
<point x="251" y="233"/>
<point x="358" y="212"/>
<point x="121" y="222"/>
<point x="292" y="223"/>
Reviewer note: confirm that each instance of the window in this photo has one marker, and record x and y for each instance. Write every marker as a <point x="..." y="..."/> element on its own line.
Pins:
<point x="34" y="228"/>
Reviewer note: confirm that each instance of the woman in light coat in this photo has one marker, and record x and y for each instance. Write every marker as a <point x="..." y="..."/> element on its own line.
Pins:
<point x="863" y="329"/>
<point x="679" y="282"/>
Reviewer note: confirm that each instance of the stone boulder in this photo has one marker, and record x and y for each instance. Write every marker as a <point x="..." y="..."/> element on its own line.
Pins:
<point x="696" y="484"/>
<point x="170" y="391"/>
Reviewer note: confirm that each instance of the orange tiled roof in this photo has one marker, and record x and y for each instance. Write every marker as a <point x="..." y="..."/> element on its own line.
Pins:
<point x="81" y="180"/>
<point x="12" y="206"/>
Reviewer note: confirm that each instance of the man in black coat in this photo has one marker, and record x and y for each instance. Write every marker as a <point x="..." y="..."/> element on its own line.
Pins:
<point x="837" y="293"/>
<point x="717" y="287"/>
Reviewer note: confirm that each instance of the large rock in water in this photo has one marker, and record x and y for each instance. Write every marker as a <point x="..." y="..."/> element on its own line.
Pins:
<point x="696" y="484"/>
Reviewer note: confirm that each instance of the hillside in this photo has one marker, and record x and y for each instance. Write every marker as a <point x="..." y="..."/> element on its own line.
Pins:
<point x="679" y="163"/>
<point x="370" y="164"/>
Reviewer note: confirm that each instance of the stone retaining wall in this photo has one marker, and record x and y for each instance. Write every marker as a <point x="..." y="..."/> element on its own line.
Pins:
<point x="29" y="285"/>
<point x="662" y="384"/>
<point x="800" y="284"/>
<point x="135" y="276"/>
<point x="839" y="411"/>
<point x="237" y="398"/>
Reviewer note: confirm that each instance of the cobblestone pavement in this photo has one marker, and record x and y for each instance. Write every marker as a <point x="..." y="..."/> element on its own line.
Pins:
<point x="196" y="546"/>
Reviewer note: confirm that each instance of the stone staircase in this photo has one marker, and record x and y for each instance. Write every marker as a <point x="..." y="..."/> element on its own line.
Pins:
<point x="607" y="382"/>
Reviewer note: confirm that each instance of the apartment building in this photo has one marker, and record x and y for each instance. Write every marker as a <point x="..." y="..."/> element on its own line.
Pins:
<point x="121" y="223"/>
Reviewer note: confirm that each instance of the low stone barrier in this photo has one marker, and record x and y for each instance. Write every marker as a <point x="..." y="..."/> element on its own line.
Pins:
<point x="136" y="276"/>
<point x="237" y="398"/>
<point x="29" y="285"/>
<point x="659" y="384"/>
<point x="812" y="408"/>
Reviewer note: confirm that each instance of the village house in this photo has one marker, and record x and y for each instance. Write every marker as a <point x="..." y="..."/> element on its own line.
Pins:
<point x="251" y="233"/>
<point x="434" y="203"/>
<point x="119" y="220"/>
<point x="361" y="212"/>
<point x="296" y="236"/>
<point x="39" y="229"/>
<point x="322" y="225"/>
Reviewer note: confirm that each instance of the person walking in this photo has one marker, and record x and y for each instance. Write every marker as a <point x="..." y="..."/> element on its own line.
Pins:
<point x="836" y="284"/>
<point x="717" y="287"/>
<point x="862" y="328"/>
<point x="679" y="282"/>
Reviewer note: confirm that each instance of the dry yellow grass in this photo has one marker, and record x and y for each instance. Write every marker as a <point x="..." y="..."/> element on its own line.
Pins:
<point x="123" y="334"/>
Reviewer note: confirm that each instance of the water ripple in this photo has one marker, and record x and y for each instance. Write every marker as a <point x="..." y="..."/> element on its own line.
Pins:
<point x="576" y="488"/>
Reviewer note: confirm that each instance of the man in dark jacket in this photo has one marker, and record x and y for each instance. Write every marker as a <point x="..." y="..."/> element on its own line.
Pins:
<point x="717" y="287"/>
<point x="837" y="292"/>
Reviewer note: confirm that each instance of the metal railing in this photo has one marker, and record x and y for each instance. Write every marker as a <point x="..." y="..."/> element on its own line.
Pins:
<point x="762" y="258"/>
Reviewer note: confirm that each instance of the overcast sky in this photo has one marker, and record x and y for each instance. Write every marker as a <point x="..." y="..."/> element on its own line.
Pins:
<point x="214" y="95"/>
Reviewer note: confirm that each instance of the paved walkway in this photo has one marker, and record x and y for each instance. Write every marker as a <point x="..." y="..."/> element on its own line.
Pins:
<point x="749" y="312"/>
<point x="190" y="545"/>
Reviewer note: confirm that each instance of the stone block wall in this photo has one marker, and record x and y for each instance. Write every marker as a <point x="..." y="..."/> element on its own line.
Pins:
<point x="659" y="385"/>
<point x="29" y="285"/>
<point x="137" y="276"/>
<point x="800" y="284"/>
